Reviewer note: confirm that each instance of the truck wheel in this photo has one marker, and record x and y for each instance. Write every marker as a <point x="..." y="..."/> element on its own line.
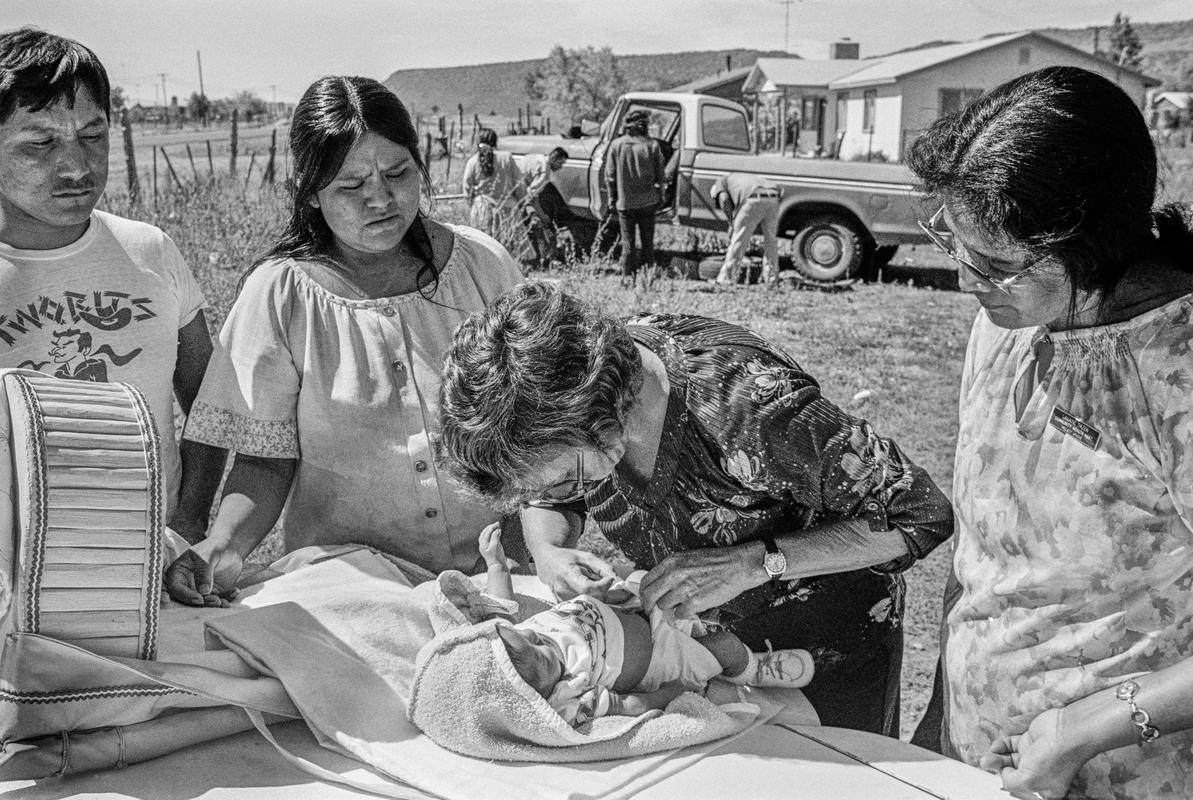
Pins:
<point x="828" y="248"/>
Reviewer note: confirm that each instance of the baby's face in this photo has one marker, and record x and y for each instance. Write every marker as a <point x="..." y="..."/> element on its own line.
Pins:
<point x="536" y="658"/>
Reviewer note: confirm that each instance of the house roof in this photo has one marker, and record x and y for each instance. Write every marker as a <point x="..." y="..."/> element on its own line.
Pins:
<point x="713" y="81"/>
<point x="771" y="74"/>
<point x="888" y="69"/>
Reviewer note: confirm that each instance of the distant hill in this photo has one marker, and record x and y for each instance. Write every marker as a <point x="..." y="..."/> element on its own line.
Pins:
<point x="1167" y="48"/>
<point x="501" y="88"/>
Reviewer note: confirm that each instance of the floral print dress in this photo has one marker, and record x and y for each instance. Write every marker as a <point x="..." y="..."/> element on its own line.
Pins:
<point x="1074" y="546"/>
<point x="750" y="448"/>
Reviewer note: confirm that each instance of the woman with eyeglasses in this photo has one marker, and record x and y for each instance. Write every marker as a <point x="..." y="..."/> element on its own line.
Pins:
<point x="709" y="458"/>
<point x="1067" y="643"/>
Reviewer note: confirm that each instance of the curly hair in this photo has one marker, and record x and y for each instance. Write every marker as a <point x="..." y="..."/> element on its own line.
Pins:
<point x="539" y="372"/>
<point x="1060" y="162"/>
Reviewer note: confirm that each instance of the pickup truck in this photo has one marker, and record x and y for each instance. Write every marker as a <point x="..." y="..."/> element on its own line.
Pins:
<point x="844" y="219"/>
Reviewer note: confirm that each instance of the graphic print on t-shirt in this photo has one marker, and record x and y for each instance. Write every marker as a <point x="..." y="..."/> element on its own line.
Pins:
<point x="75" y="321"/>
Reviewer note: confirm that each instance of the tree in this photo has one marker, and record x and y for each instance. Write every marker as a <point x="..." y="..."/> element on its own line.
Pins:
<point x="251" y="106"/>
<point x="198" y="106"/>
<point x="577" y="84"/>
<point x="1124" y="43"/>
<point x="117" y="99"/>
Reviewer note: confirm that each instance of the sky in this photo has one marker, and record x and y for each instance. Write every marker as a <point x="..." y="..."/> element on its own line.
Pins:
<point x="276" y="48"/>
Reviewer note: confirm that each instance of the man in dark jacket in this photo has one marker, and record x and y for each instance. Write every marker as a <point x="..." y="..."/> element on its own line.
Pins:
<point x="634" y="177"/>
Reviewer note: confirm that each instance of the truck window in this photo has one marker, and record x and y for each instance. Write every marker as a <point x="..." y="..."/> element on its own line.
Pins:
<point x="663" y="120"/>
<point x="724" y="127"/>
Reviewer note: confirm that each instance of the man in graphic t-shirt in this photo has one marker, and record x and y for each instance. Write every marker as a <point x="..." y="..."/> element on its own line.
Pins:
<point x="86" y="295"/>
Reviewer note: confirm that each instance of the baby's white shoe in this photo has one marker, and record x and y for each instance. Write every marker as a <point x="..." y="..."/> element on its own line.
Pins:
<point x="790" y="669"/>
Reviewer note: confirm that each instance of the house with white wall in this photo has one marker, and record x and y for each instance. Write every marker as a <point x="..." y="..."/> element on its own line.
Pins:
<point x="874" y="107"/>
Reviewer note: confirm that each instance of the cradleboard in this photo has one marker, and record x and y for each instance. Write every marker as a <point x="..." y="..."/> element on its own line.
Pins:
<point x="81" y="539"/>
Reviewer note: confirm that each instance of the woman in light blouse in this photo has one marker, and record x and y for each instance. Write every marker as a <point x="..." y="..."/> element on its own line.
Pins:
<point x="327" y="373"/>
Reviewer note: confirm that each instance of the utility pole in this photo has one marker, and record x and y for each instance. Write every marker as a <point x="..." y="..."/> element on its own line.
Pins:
<point x="202" y="93"/>
<point x="165" y="102"/>
<point x="786" y="23"/>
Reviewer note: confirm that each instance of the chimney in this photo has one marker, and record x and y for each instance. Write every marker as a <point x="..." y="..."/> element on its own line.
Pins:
<point x="845" y="49"/>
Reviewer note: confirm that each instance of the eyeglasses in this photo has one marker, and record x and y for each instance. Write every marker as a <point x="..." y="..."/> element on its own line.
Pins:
<point x="568" y="491"/>
<point x="943" y="239"/>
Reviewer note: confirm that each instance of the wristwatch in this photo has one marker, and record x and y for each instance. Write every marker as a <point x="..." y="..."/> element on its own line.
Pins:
<point x="774" y="562"/>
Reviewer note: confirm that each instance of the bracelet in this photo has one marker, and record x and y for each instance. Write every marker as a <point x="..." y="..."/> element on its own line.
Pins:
<point x="1126" y="692"/>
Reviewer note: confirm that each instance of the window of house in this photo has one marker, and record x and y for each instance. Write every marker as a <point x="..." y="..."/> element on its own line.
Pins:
<point x="724" y="127"/>
<point x="1024" y="55"/>
<point x="869" y="106"/>
<point x="842" y="109"/>
<point x="952" y="100"/>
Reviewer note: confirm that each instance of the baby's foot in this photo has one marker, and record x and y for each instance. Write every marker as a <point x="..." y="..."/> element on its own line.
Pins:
<point x="790" y="669"/>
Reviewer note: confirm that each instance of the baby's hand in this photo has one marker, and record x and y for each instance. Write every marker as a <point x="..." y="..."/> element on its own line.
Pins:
<point x="489" y="542"/>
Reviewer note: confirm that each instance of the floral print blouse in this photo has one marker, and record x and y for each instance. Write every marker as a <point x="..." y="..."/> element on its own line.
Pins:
<point x="1074" y="544"/>
<point x="750" y="448"/>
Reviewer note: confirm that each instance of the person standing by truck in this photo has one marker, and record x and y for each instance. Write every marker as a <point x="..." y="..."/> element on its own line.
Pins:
<point x="492" y="183"/>
<point x="751" y="203"/>
<point x="634" y="179"/>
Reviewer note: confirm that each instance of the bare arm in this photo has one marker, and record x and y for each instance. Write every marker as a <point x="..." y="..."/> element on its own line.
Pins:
<point x="498" y="582"/>
<point x="253" y="498"/>
<point x="632" y="705"/>
<point x="696" y="580"/>
<point x="551" y="536"/>
<point x="202" y="464"/>
<point x="254" y="494"/>
<point x="1047" y="756"/>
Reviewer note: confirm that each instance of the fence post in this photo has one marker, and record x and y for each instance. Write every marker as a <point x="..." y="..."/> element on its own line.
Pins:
<point x="130" y="159"/>
<point x="210" y="162"/>
<point x="154" y="178"/>
<point x="173" y="174"/>
<point x="235" y="126"/>
<point x="273" y="146"/>
<point x="191" y="158"/>
<point x="427" y="151"/>
<point x="248" y="174"/>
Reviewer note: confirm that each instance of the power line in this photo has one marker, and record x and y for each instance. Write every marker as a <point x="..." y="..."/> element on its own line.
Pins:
<point x="786" y="23"/>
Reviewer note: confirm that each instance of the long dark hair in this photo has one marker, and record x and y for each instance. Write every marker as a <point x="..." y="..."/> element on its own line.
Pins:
<point x="334" y="114"/>
<point x="486" y="140"/>
<point x="37" y="69"/>
<point x="1060" y="162"/>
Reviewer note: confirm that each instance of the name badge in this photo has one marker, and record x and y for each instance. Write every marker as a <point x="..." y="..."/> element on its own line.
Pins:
<point x="1069" y="425"/>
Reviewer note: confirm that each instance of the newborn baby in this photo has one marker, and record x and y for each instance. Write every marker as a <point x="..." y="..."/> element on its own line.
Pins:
<point x="589" y="659"/>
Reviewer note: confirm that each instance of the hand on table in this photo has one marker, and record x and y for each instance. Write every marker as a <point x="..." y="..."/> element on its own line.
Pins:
<point x="697" y="580"/>
<point x="205" y="575"/>
<point x="1037" y="763"/>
